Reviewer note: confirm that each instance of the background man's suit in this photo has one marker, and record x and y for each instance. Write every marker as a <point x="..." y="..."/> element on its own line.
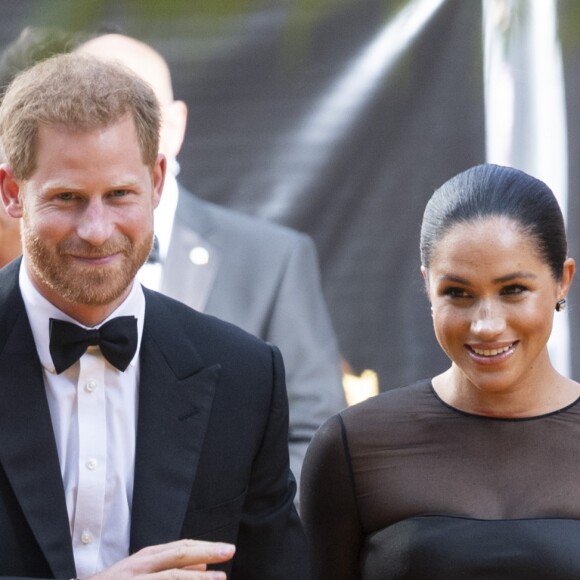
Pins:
<point x="211" y="452"/>
<point x="264" y="278"/>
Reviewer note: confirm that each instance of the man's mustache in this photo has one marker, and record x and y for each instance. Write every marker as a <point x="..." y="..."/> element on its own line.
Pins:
<point x="82" y="249"/>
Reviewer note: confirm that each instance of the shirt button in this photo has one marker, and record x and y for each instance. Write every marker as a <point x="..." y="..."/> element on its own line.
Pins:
<point x="91" y="464"/>
<point x="86" y="537"/>
<point x="90" y="386"/>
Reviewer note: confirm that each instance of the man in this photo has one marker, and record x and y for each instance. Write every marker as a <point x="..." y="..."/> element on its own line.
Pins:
<point x="259" y="276"/>
<point x="131" y="424"/>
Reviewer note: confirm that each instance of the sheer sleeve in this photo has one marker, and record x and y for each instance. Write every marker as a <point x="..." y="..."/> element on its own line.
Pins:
<point x="328" y="507"/>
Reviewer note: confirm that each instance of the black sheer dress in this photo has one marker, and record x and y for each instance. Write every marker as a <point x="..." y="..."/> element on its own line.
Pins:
<point x="403" y="486"/>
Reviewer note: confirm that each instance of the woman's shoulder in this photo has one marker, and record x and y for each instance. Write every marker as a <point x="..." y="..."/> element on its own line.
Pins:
<point x="392" y="416"/>
<point x="388" y="413"/>
<point x="409" y="398"/>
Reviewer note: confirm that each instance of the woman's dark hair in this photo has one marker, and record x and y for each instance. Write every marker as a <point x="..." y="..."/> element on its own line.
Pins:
<point x="495" y="191"/>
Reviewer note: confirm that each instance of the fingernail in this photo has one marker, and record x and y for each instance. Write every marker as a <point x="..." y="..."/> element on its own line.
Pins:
<point x="225" y="550"/>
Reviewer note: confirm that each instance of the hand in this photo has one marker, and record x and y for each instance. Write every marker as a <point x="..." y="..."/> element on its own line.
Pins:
<point x="183" y="559"/>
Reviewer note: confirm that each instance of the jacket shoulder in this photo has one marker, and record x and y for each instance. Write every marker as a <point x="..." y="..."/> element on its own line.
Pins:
<point x="236" y="223"/>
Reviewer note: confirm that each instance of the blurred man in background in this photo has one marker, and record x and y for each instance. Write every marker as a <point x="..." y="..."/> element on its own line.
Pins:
<point x="260" y="276"/>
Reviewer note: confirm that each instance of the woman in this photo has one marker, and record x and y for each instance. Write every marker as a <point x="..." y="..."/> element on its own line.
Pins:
<point x="475" y="473"/>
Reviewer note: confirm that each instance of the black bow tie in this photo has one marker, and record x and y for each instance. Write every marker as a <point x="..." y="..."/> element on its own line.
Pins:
<point x="117" y="340"/>
<point x="155" y="254"/>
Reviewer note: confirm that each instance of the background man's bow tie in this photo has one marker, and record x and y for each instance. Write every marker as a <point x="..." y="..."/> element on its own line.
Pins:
<point x="155" y="254"/>
<point x="117" y="340"/>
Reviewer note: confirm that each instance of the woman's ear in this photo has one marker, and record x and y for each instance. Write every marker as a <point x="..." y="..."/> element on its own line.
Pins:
<point x="10" y="191"/>
<point x="425" y="274"/>
<point x="568" y="270"/>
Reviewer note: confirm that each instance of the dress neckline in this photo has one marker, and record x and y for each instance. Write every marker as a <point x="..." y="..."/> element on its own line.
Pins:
<point x="505" y="419"/>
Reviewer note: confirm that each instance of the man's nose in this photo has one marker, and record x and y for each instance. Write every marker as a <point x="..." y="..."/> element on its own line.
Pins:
<point x="95" y="224"/>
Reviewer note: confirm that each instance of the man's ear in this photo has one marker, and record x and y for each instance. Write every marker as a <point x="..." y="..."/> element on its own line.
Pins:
<point x="158" y="175"/>
<point x="10" y="191"/>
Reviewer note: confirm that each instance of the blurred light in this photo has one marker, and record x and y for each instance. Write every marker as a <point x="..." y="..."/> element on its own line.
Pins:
<point x="355" y="87"/>
<point x="326" y="126"/>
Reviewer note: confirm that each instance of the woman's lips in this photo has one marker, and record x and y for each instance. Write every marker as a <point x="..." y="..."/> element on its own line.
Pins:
<point x="491" y="353"/>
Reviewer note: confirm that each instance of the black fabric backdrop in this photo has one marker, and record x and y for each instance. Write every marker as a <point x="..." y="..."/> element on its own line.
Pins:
<point x="265" y="137"/>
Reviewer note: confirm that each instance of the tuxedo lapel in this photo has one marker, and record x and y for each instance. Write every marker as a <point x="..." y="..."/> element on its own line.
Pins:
<point x="175" y="399"/>
<point x="193" y="260"/>
<point x="184" y="280"/>
<point x="28" y="453"/>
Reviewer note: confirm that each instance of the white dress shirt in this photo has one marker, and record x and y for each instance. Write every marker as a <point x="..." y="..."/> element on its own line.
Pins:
<point x="93" y="408"/>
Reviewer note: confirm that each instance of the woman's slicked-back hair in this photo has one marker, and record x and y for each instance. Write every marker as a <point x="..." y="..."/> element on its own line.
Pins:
<point x="495" y="191"/>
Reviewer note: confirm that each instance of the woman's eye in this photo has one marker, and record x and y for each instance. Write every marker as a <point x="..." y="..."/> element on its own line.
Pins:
<point x="455" y="292"/>
<point x="513" y="290"/>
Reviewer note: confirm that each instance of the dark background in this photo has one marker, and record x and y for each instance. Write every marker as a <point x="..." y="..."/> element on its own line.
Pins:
<point x="281" y="127"/>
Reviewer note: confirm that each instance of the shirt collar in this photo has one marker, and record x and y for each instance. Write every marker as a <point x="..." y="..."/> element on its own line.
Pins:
<point x="39" y="310"/>
<point x="165" y="213"/>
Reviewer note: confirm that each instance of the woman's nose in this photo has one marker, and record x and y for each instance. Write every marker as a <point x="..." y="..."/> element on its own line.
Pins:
<point x="488" y="322"/>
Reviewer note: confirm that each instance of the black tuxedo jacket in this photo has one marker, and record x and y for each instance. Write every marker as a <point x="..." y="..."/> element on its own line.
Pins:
<point x="211" y="453"/>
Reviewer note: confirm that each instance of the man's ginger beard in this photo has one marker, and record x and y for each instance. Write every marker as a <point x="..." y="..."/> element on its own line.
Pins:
<point x="58" y="269"/>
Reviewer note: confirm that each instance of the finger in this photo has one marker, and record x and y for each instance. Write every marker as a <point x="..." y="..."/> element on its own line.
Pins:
<point x="182" y="559"/>
<point x="192" y="552"/>
<point x="185" y="575"/>
<point x="185" y="553"/>
<point x="227" y="550"/>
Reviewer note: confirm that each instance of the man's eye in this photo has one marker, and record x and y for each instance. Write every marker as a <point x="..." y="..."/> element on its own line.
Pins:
<point x="66" y="195"/>
<point x="119" y="192"/>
